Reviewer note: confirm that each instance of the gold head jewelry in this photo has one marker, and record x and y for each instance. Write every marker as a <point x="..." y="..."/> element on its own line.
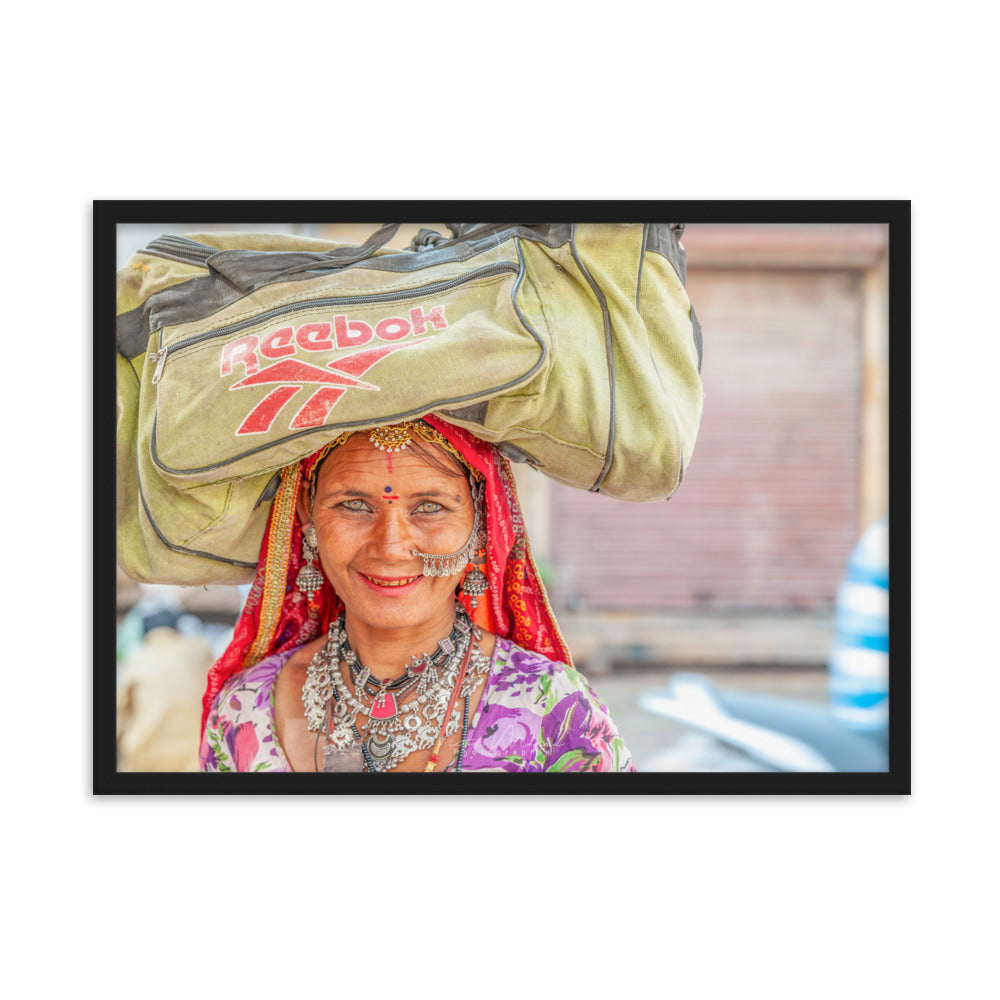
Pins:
<point x="392" y="437"/>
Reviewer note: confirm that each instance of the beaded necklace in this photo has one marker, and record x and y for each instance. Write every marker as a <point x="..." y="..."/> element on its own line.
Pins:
<point x="420" y="673"/>
<point x="394" y="728"/>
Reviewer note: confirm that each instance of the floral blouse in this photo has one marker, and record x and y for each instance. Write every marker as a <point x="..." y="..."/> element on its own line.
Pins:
<point x="534" y="715"/>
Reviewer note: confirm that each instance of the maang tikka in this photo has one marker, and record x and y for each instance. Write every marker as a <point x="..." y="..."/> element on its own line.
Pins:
<point x="310" y="578"/>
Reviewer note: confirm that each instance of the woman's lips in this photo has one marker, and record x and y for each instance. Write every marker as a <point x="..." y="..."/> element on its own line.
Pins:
<point x="391" y="584"/>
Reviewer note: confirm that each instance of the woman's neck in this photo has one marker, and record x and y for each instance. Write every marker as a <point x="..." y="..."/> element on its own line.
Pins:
<point x="386" y="652"/>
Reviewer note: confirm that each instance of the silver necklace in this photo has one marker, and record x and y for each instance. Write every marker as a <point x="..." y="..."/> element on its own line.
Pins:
<point x="393" y="728"/>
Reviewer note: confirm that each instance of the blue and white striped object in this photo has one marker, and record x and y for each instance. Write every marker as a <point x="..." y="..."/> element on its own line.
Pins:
<point x="859" y="661"/>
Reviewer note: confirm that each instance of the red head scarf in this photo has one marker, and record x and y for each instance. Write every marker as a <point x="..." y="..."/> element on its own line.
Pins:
<point x="278" y="617"/>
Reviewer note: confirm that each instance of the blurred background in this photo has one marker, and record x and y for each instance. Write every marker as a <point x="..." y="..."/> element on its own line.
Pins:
<point x="740" y="625"/>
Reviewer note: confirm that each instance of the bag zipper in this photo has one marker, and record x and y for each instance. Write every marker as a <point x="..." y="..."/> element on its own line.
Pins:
<point x="518" y="269"/>
<point x="181" y="249"/>
<point x="159" y="357"/>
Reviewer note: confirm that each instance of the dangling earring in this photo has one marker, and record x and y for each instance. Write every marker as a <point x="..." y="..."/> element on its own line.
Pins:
<point x="475" y="585"/>
<point x="476" y="582"/>
<point x="309" y="579"/>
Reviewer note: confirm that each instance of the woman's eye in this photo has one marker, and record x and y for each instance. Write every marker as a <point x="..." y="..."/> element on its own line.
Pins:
<point x="429" y="507"/>
<point x="354" y="505"/>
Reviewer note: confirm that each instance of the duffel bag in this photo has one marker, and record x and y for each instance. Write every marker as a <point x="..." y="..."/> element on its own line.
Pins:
<point x="572" y="346"/>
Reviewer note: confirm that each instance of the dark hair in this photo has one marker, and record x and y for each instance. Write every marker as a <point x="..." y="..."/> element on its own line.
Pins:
<point x="437" y="457"/>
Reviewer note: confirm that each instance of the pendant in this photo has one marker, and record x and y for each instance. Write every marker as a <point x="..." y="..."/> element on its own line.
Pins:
<point x="384" y="707"/>
<point x="380" y="748"/>
<point x="335" y="760"/>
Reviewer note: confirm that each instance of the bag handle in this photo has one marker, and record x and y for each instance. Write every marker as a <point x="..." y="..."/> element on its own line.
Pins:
<point x="249" y="269"/>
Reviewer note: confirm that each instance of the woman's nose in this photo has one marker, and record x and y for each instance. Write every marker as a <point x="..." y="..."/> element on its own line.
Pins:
<point x="391" y="536"/>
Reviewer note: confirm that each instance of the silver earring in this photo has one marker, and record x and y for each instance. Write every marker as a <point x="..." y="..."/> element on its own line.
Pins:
<point x="309" y="579"/>
<point x="475" y="585"/>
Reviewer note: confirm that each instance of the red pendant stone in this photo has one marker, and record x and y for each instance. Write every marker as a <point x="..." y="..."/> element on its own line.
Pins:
<point x="384" y="707"/>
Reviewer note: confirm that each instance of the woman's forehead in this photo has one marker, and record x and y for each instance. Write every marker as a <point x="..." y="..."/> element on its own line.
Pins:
<point x="358" y="457"/>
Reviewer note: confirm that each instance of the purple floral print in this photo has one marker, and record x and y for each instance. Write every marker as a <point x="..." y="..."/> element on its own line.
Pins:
<point x="534" y="716"/>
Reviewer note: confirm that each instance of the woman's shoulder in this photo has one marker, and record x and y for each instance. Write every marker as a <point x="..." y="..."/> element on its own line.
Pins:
<point x="515" y="666"/>
<point x="542" y="714"/>
<point x="239" y="732"/>
<point x="262" y="676"/>
<point x="259" y="677"/>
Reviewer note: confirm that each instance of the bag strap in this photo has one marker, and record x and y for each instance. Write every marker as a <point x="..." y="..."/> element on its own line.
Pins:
<point x="249" y="269"/>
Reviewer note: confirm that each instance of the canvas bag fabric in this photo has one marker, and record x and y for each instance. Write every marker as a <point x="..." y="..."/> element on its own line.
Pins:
<point x="574" y="347"/>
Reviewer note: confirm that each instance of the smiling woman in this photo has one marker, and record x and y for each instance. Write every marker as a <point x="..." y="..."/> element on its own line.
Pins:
<point x="396" y="620"/>
<point x="398" y="623"/>
<point x="366" y="540"/>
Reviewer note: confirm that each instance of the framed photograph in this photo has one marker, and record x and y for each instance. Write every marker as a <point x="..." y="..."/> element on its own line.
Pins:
<point x="682" y="460"/>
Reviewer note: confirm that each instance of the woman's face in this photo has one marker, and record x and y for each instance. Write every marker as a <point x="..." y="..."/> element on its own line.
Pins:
<point x="372" y="509"/>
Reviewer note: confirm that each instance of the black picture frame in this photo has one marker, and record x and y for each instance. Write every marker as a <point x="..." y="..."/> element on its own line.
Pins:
<point x="895" y="214"/>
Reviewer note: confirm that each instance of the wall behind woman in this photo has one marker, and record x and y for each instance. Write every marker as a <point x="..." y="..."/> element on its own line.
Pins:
<point x="742" y="564"/>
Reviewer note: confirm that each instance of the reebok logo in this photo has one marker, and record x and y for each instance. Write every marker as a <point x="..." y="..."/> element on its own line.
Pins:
<point x="290" y="374"/>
